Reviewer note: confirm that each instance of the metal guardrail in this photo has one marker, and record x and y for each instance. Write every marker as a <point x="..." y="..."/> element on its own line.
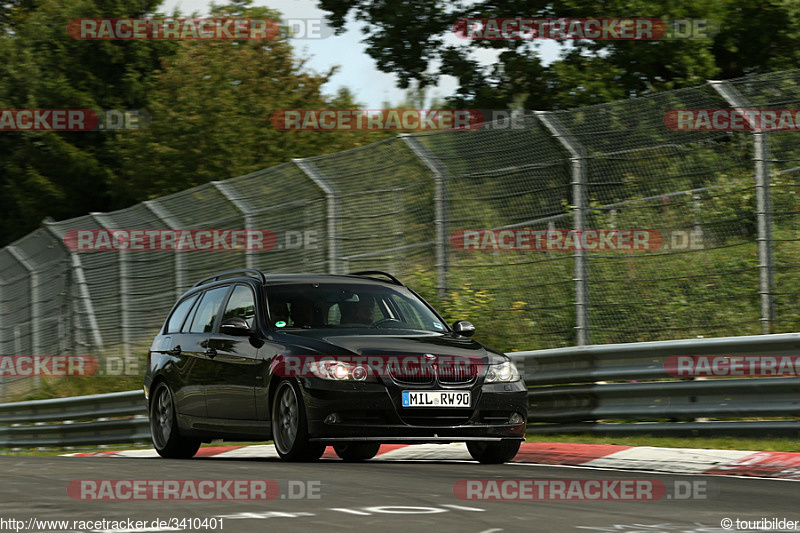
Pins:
<point x="113" y="418"/>
<point x="640" y="360"/>
<point x="625" y="389"/>
<point x="586" y="389"/>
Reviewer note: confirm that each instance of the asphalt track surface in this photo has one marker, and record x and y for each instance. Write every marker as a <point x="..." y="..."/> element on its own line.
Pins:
<point x="405" y="496"/>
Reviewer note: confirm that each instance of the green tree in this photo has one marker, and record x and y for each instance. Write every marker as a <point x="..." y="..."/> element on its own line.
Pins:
<point x="408" y="38"/>
<point x="64" y="174"/>
<point x="210" y="103"/>
<point x="211" y="109"/>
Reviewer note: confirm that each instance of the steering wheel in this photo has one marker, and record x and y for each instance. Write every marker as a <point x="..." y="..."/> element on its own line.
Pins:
<point x="381" y="322"/>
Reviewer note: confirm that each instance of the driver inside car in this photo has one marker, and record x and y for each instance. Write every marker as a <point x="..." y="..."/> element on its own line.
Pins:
<point x="278" y="312"/>
<point x="302" y="313"/>
<point x="361" y="312"/>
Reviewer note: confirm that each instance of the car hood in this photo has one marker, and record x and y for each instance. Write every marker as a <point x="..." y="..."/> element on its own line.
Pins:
<point x="380" y="343"/>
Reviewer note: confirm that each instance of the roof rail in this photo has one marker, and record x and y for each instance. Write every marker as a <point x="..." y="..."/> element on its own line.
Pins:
<point x="379" y="273"/>
<point x="251" y="272"/>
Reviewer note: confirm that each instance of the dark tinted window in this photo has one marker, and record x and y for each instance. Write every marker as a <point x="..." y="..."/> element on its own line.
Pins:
<point x="241" y="304"/>
<point x="334" y="305"/>
<point x="188" y="323"/>
<point x="179" y="315"/>
<point x="416" y="317"/>
<point x="207" y="310"/>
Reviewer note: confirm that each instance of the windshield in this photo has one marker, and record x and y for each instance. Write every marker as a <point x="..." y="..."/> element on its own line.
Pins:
<point x="329" y="305"/>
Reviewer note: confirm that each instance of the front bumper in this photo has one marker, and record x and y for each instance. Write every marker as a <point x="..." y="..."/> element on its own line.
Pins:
<point x="372" y="411"/>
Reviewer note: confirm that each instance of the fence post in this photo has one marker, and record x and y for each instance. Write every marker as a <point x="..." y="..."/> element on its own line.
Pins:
<point x="238" y="203"/>
<point x="761" y="160"/>
<point x="124" y="292"/>
<point x="332" y="198"/>
<point x="579" y="208"/>
<point x="83" y="287"/>
<point x="159" y="212"/>
<point x="33" y="278"/>
<point x="441" y="240"/>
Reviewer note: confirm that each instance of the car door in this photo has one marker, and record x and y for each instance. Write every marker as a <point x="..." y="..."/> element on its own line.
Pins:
<point x="187" y="387"/>
<point x="195" y="334"/>
<point x="230" y="393"/>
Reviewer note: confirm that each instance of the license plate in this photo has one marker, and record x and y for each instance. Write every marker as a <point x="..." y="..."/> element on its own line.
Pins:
<point x="415" y="398"/>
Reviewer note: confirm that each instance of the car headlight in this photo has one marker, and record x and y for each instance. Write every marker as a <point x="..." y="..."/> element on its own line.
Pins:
<point x="502" y="373"/>
<point x="340" y="371"/>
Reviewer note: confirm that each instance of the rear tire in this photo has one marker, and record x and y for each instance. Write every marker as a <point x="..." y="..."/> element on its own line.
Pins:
<point x="289" y="426"/>
<point x="493" y="452"/>
<point x="164" y="430"/>
<point x="352" y="452"/>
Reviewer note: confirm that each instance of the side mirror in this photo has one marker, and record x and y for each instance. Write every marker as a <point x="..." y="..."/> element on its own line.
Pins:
<point x="462" y="327"/>
<point x="236" y="326"/>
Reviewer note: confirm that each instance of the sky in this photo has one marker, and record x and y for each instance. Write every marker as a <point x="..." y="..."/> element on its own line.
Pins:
<point x="357" y="70"/>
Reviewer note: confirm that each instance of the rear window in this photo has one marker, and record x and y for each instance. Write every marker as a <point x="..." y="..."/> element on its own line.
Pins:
<point x="241" y="304"/>
<point x="207" y="310"/>
<point x="179" y="315"/>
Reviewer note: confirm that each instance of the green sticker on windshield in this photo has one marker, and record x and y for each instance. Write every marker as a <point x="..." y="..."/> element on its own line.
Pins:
<point x="280" y="324"/>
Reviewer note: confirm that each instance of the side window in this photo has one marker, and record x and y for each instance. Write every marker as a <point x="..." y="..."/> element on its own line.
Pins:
<point x="207" y="310"/>
<point x="334" y="315"/>
<point x="190" y="317"/>
<point x="179" y="315"/>
<point x="241" y="304"/>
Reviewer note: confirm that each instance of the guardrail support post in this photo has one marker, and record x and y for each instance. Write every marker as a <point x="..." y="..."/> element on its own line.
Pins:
<point x="761" y="160"/>
<point x="579" y="208"/>
<point x="441" y="239"/>
<point x="332" y="197"/>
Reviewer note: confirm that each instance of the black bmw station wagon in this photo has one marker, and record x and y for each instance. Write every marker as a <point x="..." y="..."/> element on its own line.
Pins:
<point x="310" y="360"/>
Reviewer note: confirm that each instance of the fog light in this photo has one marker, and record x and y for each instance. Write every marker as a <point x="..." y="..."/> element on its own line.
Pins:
<point x="332" y="418"/>
<point x="516" y="418"/>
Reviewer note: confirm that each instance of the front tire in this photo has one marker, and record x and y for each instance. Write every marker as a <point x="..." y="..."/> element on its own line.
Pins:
<point x="289" y="427"/>
<point x="352" y="452"/>
<point x="164" y="430"/>
<point x="493" y="452"/>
